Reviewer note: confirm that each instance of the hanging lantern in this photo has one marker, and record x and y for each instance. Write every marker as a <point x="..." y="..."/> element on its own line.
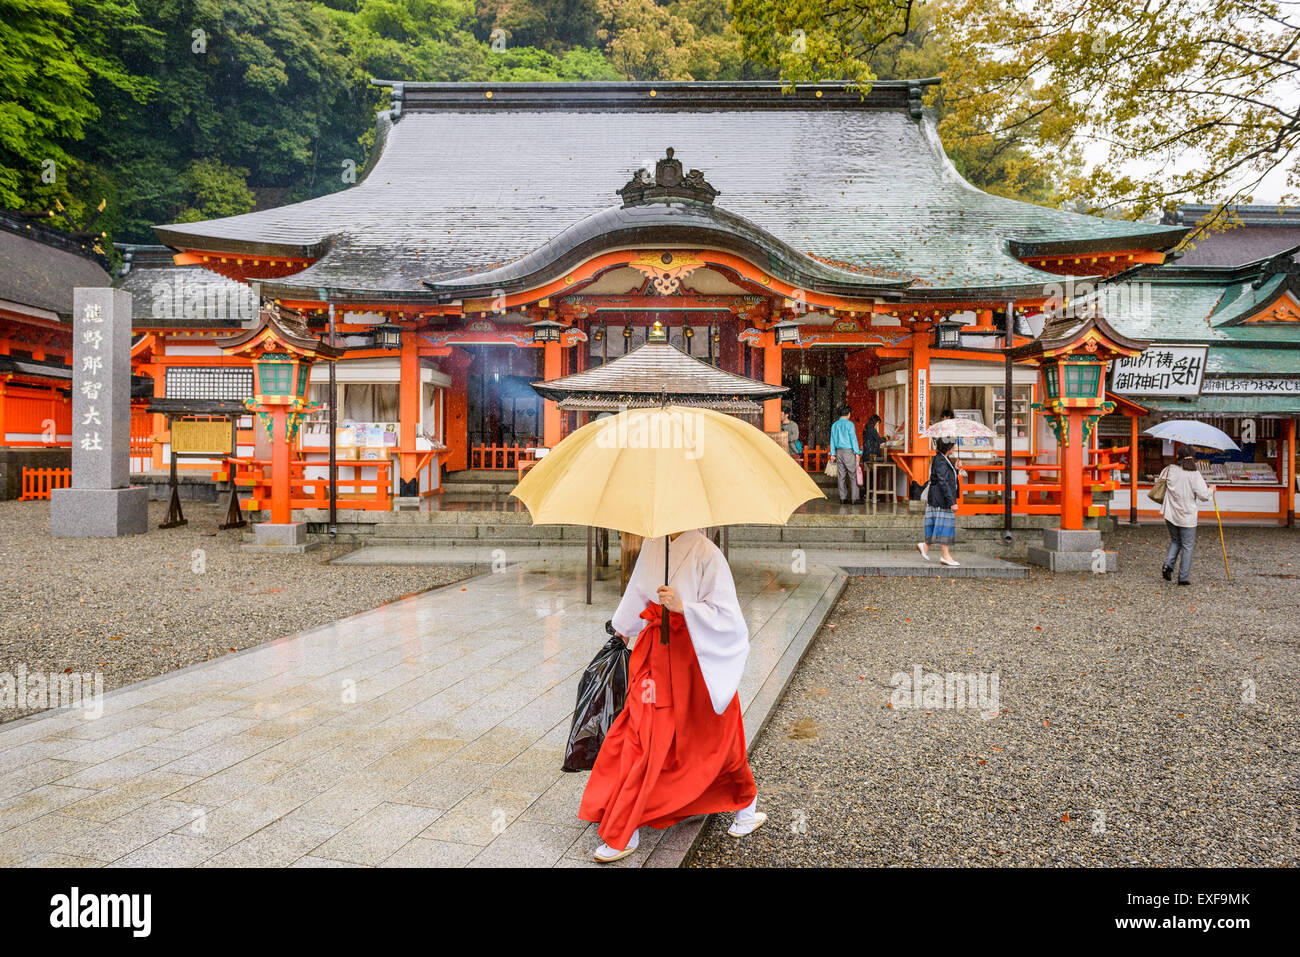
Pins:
<point x="387" y="336"/>
<point x="547" y="330"/>
<point x="786" y="331"/>
<point x="947" y="334"/>
<point x="599" y="334"/>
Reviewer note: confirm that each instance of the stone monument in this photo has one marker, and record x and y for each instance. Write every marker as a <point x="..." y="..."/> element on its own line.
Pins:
<point x="101" y="503"/>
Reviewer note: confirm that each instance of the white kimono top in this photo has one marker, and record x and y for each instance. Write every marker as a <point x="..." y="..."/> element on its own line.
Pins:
<point x="702" y="579"/>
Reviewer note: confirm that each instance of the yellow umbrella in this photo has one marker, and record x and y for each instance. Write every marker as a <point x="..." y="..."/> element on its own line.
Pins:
<point x="657" y="471"/>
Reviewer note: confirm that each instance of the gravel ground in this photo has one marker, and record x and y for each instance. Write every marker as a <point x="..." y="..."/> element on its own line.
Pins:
<point x="139" y="606"/>
<point x="1124" y="734"/>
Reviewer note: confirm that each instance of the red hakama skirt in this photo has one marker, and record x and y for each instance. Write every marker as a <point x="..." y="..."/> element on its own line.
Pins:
<point x="668" y="756"/>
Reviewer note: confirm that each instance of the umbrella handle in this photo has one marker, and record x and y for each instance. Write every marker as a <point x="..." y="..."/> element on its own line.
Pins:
<point x="1214" y="495"/>
<point x="663" y="616"/>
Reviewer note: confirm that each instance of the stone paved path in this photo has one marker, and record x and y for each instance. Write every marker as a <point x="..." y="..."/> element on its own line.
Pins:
<point x="426" y="732"/>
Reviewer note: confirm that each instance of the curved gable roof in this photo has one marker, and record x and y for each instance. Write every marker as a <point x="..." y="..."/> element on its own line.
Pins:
<point x="472" y="176"/>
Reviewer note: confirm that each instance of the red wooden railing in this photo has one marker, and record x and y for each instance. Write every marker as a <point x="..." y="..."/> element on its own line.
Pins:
<point x="37" y="483"/>
<point x="1038" y="496"/>
<point x="814" y="459"/>
<point x="356" y="491"/>
<point x="504" y="457"/>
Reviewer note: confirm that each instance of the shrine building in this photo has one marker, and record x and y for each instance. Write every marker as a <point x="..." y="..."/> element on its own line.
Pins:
<point x="506" y="235"/>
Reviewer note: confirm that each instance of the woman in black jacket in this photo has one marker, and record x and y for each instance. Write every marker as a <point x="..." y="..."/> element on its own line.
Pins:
<point x="871" y="440"/>
<point x="942" y="492"/>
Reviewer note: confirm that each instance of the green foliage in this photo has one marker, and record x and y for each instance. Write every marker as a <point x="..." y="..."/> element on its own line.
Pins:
<point x="213" y="189"/>
<point x="55" y="55"/>
<point x="182" y="109"/>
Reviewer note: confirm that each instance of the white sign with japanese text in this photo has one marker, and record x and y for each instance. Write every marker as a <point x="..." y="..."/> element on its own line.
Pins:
<point x="1160" y="370"/>
<point x="1251" y="385"/>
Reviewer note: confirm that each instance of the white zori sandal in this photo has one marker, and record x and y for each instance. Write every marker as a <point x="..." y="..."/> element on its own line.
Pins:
<point x="607" y="855"/>
<point x="747" y="821"/>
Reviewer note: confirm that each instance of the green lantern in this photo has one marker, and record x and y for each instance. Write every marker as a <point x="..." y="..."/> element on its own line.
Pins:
<point x="280" y="377"/>
<point x="1076" y="379"/>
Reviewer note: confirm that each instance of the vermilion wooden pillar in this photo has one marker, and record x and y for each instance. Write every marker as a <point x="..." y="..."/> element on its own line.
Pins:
<point x="281" y="505"/>
<point x="772" y="376"/>
<point x="1072" y="453"/>
<point x="457" y="421"/>
<point x="409" y="405"/>
<point x="159" y="420"/>
<point x="1288" y="494"/>
<point x="551" y="411"/>
<point x="1133" y="463"/>
<point x="919" y="415"/>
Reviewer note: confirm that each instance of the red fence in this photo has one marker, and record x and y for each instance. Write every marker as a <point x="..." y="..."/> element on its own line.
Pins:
<point x="355" y="491"/>
<point x="37" y="483"/>
<point x="499" y="456"/>
<point x="814" y="459"/>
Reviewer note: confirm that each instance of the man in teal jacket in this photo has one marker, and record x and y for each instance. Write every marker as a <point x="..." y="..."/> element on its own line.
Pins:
<point x="847" y="453"/>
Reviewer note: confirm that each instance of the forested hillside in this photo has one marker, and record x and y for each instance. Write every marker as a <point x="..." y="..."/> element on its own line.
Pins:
<point x="119" y="114"/>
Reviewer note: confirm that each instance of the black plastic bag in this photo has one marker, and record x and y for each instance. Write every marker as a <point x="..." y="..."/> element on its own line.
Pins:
<point x="602" y="692"/>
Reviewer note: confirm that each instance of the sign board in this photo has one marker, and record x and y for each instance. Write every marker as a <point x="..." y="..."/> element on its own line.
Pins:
<point x="922" y="401"/>
<point x="1160" y="370"/>
<point x="201" y="437"/>
<point x="1251" y="385"/>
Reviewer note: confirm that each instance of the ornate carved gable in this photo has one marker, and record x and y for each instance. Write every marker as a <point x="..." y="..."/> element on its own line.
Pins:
<point x="668" y="182"/>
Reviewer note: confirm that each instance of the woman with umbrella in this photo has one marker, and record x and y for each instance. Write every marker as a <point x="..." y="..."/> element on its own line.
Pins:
<point x="678" y="748"/>
<point x="1184" y="487"/>
<point x="942" y="492"/>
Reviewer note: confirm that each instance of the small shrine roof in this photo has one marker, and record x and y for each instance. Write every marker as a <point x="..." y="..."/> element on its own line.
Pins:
<point x="165" y="295"/>
<point x="654" y="369"/>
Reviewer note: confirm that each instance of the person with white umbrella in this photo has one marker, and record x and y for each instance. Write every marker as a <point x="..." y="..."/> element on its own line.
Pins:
<point x="1184" y="486"/>
<point x="943" y="490"/>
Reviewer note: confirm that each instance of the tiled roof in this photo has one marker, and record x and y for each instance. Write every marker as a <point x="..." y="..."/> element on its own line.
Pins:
<point x="1199" y="305"/>
<point x="617" y="403"/>
<point x="1260" y="232"/>
<point x="39" y="267"/>
<point x="167" y="295"/>
<point x="472" y="176"/>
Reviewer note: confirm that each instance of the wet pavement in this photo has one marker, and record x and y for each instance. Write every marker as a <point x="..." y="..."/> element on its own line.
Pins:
<point x="428" y="731"/>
